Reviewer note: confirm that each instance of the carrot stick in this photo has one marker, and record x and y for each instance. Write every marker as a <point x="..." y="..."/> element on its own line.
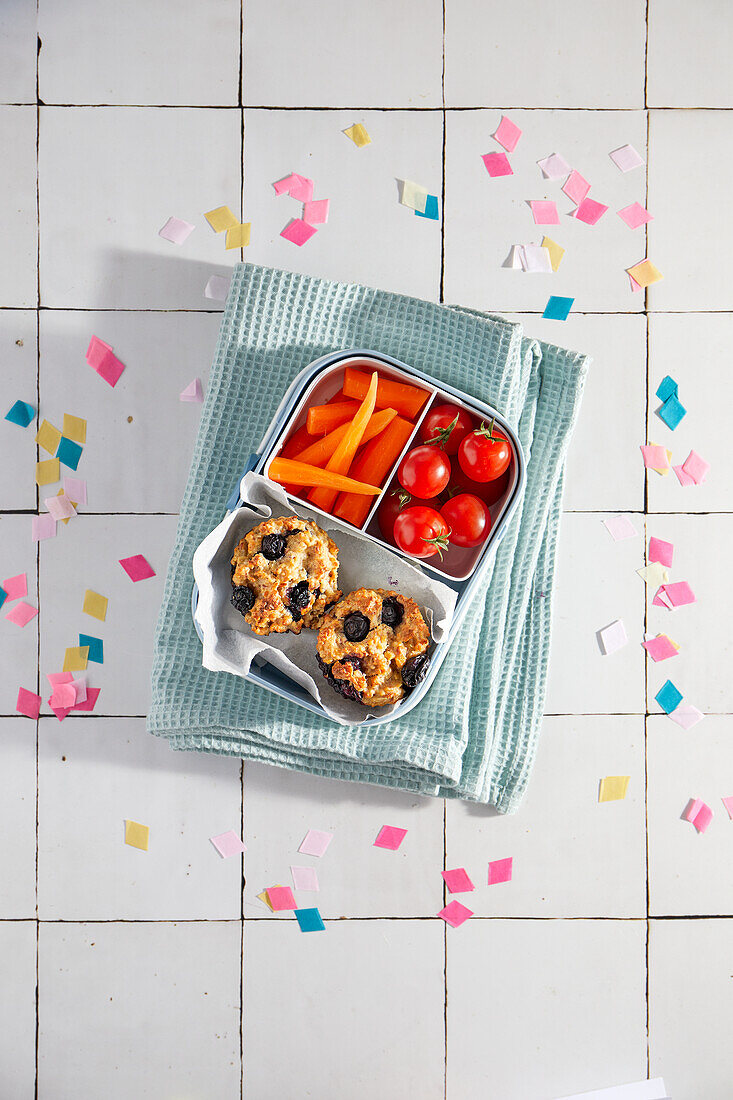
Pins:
<point x="342" y="457"/>
<point x="408" y="400"/>
<point x="378" y="457"/>
<point x="287" y="470"/>
<point x="297" y="441"/>
<point x="324" y="418"/>
<point x="319" y="452"/>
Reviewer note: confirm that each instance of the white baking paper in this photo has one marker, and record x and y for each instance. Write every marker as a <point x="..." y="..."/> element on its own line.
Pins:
<point x="228" y="643"/>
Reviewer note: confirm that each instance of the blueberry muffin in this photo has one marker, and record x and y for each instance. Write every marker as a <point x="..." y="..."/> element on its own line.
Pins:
<point x="284" y="575"/>
<point x="373" y="645"/>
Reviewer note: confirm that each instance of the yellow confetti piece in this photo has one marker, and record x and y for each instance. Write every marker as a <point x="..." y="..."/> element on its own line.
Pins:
<point x="613" y="788"/>
<point x="95" y="605"/>
<point x="60" y="494"/>
<point x="664" y="472"/>
<point x="674" y="643"/>
<point x="48" y="437"/>
<point x="75" y="658"/>
<point x="222" y="218"/>
<point x="645" y="273"/>
<point x="137" y="835"/>
<point x="238" y="236"/>
<point x="358" y="135"/>
<point x="555" y="250"/>
<point x="264" y="898"/>
<point x="47" y="471"/>
<point x="654" y="574"/>
<point x="75" y="428"/>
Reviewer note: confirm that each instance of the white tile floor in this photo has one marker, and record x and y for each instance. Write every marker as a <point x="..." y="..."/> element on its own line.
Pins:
<point x="156" y="974"/>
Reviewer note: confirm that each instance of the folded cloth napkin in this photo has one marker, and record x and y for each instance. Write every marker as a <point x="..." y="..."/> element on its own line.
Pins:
<point x="474" y="735"/>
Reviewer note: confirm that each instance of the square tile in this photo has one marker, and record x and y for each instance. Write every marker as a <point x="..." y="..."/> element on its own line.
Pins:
<point x="581" y="1027"/>
<point x="369" y="237"/>
<point x="701" y="669"/>
<point x="603" y="468"/>
<point x="595" y="584"/>
<point x="280" y="807"/>
<point x="157" y="1004"/>
<point x="682" y="145"/>
<point x="536" y="55"/>
<point x="110" y="770"/>
<point x="689" y="1002"/>
<point x="195" y="69"/>
<point x="371" y="55"/>
<point x="361" y="1037"/>
<point x="484" y="217"/>
<point x="688" y="55"/>
<point x="85" y="554"/>
<point x="678" y="344"/>
<point x="18" y="1013"/>
<point x="18" y="213"/>
<point x="18" y="348"/>
<point x="18" y="818"/>
<point x="559" y="830"/>
<point x="139" y="435"/>
<point x="684" y="866"/>
<point x="18" y="645"/>
<point x="99" y="229"/>
<point x="18" y="52"/>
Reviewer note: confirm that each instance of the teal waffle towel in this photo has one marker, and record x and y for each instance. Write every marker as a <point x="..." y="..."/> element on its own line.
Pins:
<point x="474" y="735"/>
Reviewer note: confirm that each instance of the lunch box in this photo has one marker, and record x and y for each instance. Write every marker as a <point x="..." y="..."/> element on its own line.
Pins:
<point x="462" y="569"/>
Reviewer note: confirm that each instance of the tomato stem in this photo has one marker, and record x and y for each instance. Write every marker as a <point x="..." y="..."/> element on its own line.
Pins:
<point x="443" y="434"/>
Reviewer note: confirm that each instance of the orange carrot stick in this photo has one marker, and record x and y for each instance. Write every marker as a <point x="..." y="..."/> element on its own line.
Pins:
<point x="378" y="457"/>
<point x="408" y="400"/>
<point x="287" y="470"/>
<point x="342" y="457"/>
<point x="324" y="418"/>
<point x="318" y="453"/>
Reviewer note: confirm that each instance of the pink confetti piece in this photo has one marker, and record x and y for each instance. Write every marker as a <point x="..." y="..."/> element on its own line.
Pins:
<point x="60" y="712"/>
<point x="661" y="551"/>
<point x="661" y="599"/>
<point x="96" y="351"/>
<point x="89" y="702"/>
<point x="554" y="167"/>
<point x="217" y="288"/>
<point x="613" y="637"/>
<point x="698" y="813"/>
<point x="22" y="614"/>
<point x="316" y="213"/>
<point x="575" y="187"/>
<point x="680" y="593"/>
<point x="15" y="587"/>
<point x="28" y="703"/>
<point x="686" y="715"/>
<point x="455" y="914"/>
<point x="43" y="527"/>
<point x="457" y="880"/>
<point x="76" y="489"/>
<point x="110" y="368"/>
<point x="497" y="164"/>
<point x="728" y="803"/>
<point x="590" y="211"/>
<point x="301" y="188"/>
<point x="633" y="285"/>
<point x="60" y="507"/>
<point x="695" y="467"/>
<point x="655" y="458"/>
<point x="544" y="212"/>
<point x="500" y="870"/>
<point x="80" y="690"/>
<point x="63" y="697"/>
<point x="282" y="187"/>
<point x="55" y="678"/>
<point x="683" y="478"/>
<point x="228" y="844"/>
<point x="176" y="230"/>
<point x="281" y="897"/>
<point x="620" y="528"/>
<point x="626" y="158"/>
<point x="137" y="567"/>
<point x="634" y="216"/>
<point x="304" y="878"/>
<point x="298" y="232"/>
<point x="193" y="392"/>
<point x="660" y="648"/>
<point x="315" y="842"/>
<point x="507" y="134"/>
<point x="389" y="836"/>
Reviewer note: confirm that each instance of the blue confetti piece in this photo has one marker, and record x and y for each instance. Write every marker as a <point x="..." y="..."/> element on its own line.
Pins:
<point x="672" y="411"/>
<point x="310" y="920"/>
<point x="668" y="697"/>
<point x="557" y="309"/>
<point x="431" y="209"/>
<point x="96" y="648"/>
<point x="667" y="388"/>
<point x="21" y="414"/>
<point x="3" y="596"/>
<point x="69" y="452"/>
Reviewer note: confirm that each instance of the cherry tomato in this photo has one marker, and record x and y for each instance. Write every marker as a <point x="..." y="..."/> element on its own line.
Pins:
<point x="446" y="426"/>
<point x="421" y="532"/>
<point x="488" y="491"/>
<point x="468" y="518"/>
<point x="394" y="502"/>
<point x="484" y="454"/>
<point x="424" y="471"/>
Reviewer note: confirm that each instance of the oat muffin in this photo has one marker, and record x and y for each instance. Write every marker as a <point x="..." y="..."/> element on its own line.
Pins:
<point x="372" y="646"/>
<point x="284" y="574"/>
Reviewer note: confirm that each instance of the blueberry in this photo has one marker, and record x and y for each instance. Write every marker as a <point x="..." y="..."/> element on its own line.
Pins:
<point x="343" y="687"/>
<point x="298" y="597"/>
<point x="356" y="627"/>
<point x="243" y="598"/>
<point x="392" y="612"/>
<point x="414" y="670"/>
<point x="274" y="546"/>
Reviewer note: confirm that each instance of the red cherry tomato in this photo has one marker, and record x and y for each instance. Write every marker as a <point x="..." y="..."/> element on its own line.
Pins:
<point x="421" y="532"/>
<point x="488" y="491"/>
<point x="445" y="426"/>
<point x="484" y="454"/>
<point x="394" y="502"/>
<point x="424" y="472"/>
<point x="468" y="518"/>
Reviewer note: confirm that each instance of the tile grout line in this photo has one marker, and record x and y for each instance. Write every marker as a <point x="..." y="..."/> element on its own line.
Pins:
<point x="38" y="544"/>
<point x="646" y="540"/>
<point x="462" y="108"/>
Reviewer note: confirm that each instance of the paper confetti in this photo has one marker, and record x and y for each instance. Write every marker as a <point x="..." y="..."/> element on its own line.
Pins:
<point x="389" y="836"/>
<point x="626" y="158"/>
<point x="634" y="215"/>
<point x="556" y="253"/>
<point x="221" y="219"/>
<point x="557" y="309"/>
<point x="238" y="235"/>
<point x="3" y="596"/>
<point x="21" y="413"/>
<point x="544" y="212"/>
<point x="47" y="471"/>
<point x="575" y="187"/>
<point x="696" y="467"/>
<point x="176" y="230"/>
<point x="413" y="195"/>
<point x="22" y="613"/>
<point x="613" y="788"/>
<point x="69" y="453"/>
<point x="60" y="507"/>
<point x="15" y="587"/>
<point x="660" y="648"/>
<point x="90" y="701"/>
<point x="264" y="898"/>
<point x="96" y="351"/>
<point x="699" y="814"/>
<point x="301" y="188"/>
<point x="672" y="412"/>
<point x="137" y="567"/>
<point x="217" y="288"/>
<point x="431" y="211"/>
<point x="358" y="135"/>
<point x="95" y="647"/>
<point x="683" y="478"/>
<point x="304" y="878"/>
<point x="75" y="658"/>
<point x="80" y="689"/>
<point x="43" y="527"/>
<point x="298" y="232"/>
<point x="63" y="697"/>
<point x="655" y="458"/>
<point x="309" y="920"/>
<point x="315" y="842"/>
<point x="48" y="437"/>
<point x="686" y="716"/>
<point x="645" y="273"/>
<point x="282" y="187"/>
<point x="590" y="211"/>
<point x="554" y="167"/>
<point x="28" y="703"/>
<point x="507" y="134"/>
<point x="500" y="870"/>
<point x="455" y="914"/>
<point x="280" y="898"/>
<point x="102" y="359"/>
<point x="653" y="574"/>
<point x="316" y="211"/>
<point x="497" y="164"/>
<point x="680" y="593"/>
<point x="137" y="835"/>
<point x="457" y="880"/>
<point x="668" y="697"/>
<point x="666" y="388"/>
<point x="228" y="844"/>
<point x="95" y="605"/>
<point x="76" y="490"/>
<point x="728" y="803"/>
<point x="620" y="528"/>
<point x="75" y="427"/>
<point x="535" y="259"/>
<point x="661" y="551"/>
<point x="613" y="637"/>
<point x="193" y="392"/>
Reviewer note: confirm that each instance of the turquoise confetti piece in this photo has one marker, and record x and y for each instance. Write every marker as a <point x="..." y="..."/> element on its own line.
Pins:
<point x="69" y="452"/>
<point x="667" y="388"/>
<point x="672" y="411"/>
<point x="668" y="697"/>
<point x="21" y="414"/>
<point x="96" y="648"/>
<point x="3" y="596"/>
<point x="309" y="920"/>
<point x="557" y="309"/>
<point x="431" y="209"/>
